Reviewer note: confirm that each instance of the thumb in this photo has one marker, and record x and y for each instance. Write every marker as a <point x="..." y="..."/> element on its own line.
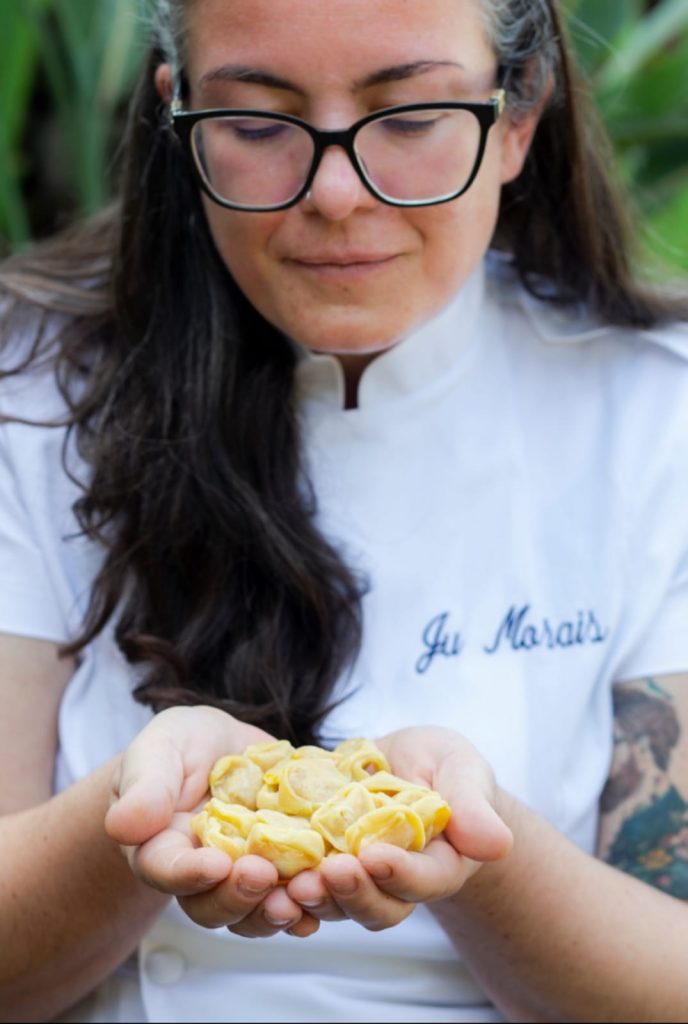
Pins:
<point x="476" y="830"/>
<point x="145" y="790"/>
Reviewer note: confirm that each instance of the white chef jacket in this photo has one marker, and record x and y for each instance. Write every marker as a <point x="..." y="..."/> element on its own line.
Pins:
<point x="514" y="487"/>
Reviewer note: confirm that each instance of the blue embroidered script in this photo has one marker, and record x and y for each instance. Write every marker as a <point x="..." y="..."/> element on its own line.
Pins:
<point x="522" y="631"/>
<point x="439" y="642"/>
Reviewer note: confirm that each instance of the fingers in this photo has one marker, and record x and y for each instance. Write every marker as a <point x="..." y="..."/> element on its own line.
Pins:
<point x="276" y="913"/>
<point x="213" y="891"/>
<point x="347" y="894"/>
<point x="382" y="886"/>
<point x="309" y="891"/>
<point x="358" y="897"/>
<point x="447" y="762"/>
<point x="170" y="863"/>
<point x="250" y="903"/>
<point x="165" y="769"/>
<point x="435" y="874"/>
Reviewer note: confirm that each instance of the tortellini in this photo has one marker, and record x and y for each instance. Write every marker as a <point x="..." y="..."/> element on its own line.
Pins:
<point x="296" y="805"/>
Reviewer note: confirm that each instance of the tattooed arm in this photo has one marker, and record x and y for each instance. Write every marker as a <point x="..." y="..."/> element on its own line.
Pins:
<point x="555" y="934"/>
<point x="644" y="820"/>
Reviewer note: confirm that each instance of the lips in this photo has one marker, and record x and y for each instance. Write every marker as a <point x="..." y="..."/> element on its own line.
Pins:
<point x="342" y="260"/>
<point x="348" y="260"/>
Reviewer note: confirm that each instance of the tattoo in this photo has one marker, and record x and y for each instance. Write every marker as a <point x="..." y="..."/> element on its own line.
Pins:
<point x="651" y="840"/>
<point x="639" y="719"/>
<point x="653" y="844"/>
<point x="622" y="783"/>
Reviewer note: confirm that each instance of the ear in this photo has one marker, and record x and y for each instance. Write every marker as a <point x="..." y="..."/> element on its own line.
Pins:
<point x="516" y="140"/>
<point x="164" y="83"/>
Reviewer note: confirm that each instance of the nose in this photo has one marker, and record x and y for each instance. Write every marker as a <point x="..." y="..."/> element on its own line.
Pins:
<point x="337" y="190"/>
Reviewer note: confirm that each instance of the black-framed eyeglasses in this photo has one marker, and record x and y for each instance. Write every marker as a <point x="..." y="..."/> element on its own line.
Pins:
<point x="419" y="154"/>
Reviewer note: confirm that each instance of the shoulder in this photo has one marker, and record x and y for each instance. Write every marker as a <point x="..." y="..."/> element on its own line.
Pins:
<point x="573" y="326"/>
<point x="29" y="342"/>
<point x="568" y="346"/>
<point x="616" y="396"/>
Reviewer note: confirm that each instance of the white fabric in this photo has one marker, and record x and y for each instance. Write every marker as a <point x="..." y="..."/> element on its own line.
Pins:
<point x="514" y="485"/>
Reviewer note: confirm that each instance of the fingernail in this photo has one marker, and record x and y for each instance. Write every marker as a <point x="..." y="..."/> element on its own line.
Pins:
<point x="280" y="922"/>
<point x="346" y="886"/>
<point x="310" y="904"/>
<point x="379" y="871"/>
<point x="254" y="888"/>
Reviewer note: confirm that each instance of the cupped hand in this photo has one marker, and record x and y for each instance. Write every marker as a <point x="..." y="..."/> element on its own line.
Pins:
<point x="383" y="885"/>
<point x="161" y="780"/>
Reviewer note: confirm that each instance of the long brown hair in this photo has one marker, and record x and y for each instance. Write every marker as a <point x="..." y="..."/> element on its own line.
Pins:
<point x="180" y="396"/>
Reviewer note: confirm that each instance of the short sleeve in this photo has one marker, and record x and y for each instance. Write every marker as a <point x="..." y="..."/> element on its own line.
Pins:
<point x="28" y="603"/>
<point x="657" y="580"/>
<point x="664" y="646"/>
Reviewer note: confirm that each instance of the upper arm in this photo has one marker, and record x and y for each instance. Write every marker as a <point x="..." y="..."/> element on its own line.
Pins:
<point x="32" y="680"/>
<point x="644" y="806"/>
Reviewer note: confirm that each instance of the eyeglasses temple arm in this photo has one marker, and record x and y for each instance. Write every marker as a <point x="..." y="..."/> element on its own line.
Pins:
<point x="498" y="97"/>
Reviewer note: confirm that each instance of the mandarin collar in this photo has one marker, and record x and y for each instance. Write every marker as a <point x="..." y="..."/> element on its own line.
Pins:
<point x="409" y="366"/>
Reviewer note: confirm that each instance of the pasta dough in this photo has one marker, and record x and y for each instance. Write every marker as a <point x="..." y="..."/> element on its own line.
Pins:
<point x="296" y="805"/>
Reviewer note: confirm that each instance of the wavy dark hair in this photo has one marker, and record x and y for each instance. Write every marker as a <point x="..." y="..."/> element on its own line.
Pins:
<point x="181" y="397"/>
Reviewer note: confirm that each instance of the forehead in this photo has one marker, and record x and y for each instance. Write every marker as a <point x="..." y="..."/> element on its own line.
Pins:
<point x="335" y="39"/>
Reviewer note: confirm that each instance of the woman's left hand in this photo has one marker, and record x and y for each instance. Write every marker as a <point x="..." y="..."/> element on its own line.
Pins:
<point x="382" y="886"/>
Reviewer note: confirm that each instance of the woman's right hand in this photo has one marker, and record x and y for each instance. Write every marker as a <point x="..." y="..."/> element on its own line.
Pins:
<point x="161" y="780"/>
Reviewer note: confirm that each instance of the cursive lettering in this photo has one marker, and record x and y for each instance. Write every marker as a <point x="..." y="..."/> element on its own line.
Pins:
<point x="523" y="632"/>
<point x="438" y="642"/>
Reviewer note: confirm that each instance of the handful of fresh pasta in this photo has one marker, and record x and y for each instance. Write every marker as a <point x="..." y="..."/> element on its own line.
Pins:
<point x="296" y="805"/>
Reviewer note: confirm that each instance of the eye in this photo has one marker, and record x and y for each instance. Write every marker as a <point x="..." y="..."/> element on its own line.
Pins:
<point x="256" y="130"/>
<point x="410" y="125"/>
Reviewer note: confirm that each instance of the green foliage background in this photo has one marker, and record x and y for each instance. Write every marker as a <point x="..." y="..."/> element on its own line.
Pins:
<point x="67" y="68"/>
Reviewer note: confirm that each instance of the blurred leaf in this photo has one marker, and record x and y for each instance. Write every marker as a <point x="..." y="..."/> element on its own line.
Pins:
<point x="83" y="46"/>
<point x="641" y="40"/>
<point x="659" y="94"/>
<point x="122" y="56"/>
<point x="14" y="220"/>
<point x="666" y="229"/>
<point x="637" y="64"/>
<point x="17" y="71"/>
<point x="596" y="24"/>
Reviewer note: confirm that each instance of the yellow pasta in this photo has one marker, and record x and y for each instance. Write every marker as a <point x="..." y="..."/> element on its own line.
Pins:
<point x="333" y="818"/>
<point x="236" y="780"/>
<point x="398" y="825"/>
<point x="267" y="754"/>
<point x="432" y="810"/>
<point x="212" y="831"/>
<point x="306" y="784"/>
<point x="296" y="805"/>
<point x="291" y="850"/>
<point x="239" y="817"/>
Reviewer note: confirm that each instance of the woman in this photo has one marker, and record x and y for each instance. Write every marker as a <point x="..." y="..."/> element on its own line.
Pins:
<point x="322" y="467"/>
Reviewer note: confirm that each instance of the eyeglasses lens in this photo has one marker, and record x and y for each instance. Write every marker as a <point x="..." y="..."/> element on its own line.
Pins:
<point x="426" y="154"/>
<point x="252" y="161"/>
<point x="414" y="156"/>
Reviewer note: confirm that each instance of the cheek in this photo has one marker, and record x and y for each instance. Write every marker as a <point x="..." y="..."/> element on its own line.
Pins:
<point x="242" y="240"/>
<point x="457" y="235"/>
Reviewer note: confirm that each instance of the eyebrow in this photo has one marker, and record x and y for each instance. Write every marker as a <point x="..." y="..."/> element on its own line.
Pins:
<point x="255" y="76"/>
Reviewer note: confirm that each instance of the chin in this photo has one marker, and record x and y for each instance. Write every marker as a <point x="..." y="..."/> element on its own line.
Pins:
<point x="351" y="338"/>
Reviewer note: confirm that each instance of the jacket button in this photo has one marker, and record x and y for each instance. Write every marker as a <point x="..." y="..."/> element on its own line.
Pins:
<point x="165" y="966"/>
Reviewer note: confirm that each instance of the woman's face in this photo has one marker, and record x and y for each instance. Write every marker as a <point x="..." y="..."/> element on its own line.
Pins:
<point x="342" y="272"/>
